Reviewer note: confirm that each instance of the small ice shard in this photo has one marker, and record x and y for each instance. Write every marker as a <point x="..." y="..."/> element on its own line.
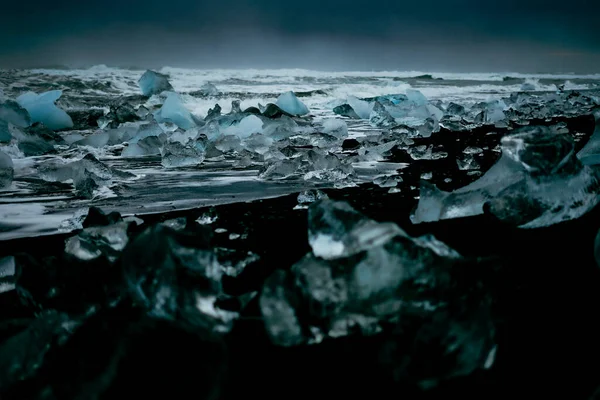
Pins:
<point x="207" y="219"/>
<point x="175" y="112"/>
<point x="93" y="242"/>
<point x="209" y="89"/>
<point x="416" y="97"/>
<point x="146" y="147"/>
<point x="7" y="170"/>
<point x="278" y="169"/>
<point x="175" y="154"/>
<point x="336" y="230"/>
<point x="335" y="127"/>
<point x="537" y="182"/>
<point x="213" y="113"/>
<point x="388" y="181"/>
<point x="289" y="103"/>
<point x="154" y="83"/>
<point x="425" y="152"/>
<point x="42" y="108"/>
<point x="177" y="224"/>
<point x="590" y="154"/>
<point x="12" y="112"/>
<point x="327" y="167"/>
<point x="428" y="127"/>
<point x="176" y="275"/>
<point x="308" y="197"/>
<point x="380" y="117"/>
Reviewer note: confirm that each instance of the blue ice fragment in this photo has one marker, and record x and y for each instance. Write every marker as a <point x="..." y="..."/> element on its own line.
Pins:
<point x="175" y="112"/>
<point x="289" y="103"/>
<point x="154" y="83"/>
<point x="42" y="109"/>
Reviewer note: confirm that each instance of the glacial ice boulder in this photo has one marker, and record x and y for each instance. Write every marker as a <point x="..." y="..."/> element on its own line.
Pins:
<point x="335" y="127"/>
<point x="42" y="108"/>
<point x="154" y="83"/>
<point x="374" y="275"/>
<point x="245" y="128"/>
<point x="289" y="103"/>
<point x="174" y="111"/>
<point x="537" y="182"/>
<point x="6" y="170"/>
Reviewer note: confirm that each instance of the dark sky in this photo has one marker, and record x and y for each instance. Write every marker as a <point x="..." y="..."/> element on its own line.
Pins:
<point x="428" y="35"/>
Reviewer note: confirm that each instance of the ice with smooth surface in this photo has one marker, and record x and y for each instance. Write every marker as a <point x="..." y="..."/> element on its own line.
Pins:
<point x="154" y="83"/>
<point x="7" y="170"/>
<point x="362" y="108"/>
<point x="42" y="108"/>
<point x="380" y="117"/>
<point x="175" y="112"/>
<point x="245" y="128"/>
<point x="289" y="103"/>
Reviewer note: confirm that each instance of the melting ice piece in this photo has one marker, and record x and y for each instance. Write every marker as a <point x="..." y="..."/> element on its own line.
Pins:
<point x="335" y="127"/>
<point x="416" y="97"/>
<point x="380" y="117"/>
<point x="12" y="112"/>
<point x="537" y="182"/>
<point x="175" y="154"/>
<point x="146" y="147"/>
<point x="96" y="241"/>
<point x="209" y="89"/>
<point x="362" y="108"/>
<point x="175" y="112"/>
<point x="336" y="230"/>
<point x="42" y="109"/>
<point x="289" y="103"/>
<point x="154" y="83"/>
<point x="176" y="275"/>
<point x="245" y="128"/>
<point x="357" y="293"/>
<point x="308" y="197"/>
<point x="7" y="170"/>
<point x="279" y="169"/>
<point x="590" y="154"/>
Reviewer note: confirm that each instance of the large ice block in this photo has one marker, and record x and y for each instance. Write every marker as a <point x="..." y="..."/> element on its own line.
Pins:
<point x="42" y="109"/>
<point x="289" y="103"/>
<point x="154" y="83"/>
<point x="175" y="112"/>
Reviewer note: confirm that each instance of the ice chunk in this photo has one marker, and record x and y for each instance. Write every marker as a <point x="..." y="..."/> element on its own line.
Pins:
<point x="335" y="127"/>
<point x="380" y="117"/>
<point x="388" y="181"/>
<point x="362" y="108"/>
<point x="7" y="170"/>
<point x="279" y="169"/>
<point x="326" y="167"/>
<point x="336" y="230"/>
<point x="257" y="143"/>
<point x="12" y="112"/>
<point x="308" y="197"/>
<point x="358" y="293"/>
<point x="537" y="182"/>
<point x="416" y="97"/>
<point x="289" y="103"/>
<point x="176" y="275"/>
<point x="590" y="154"/>
<point x="146" y="147"/>
<point x="209" y="89"/>
<point x="42" y="109"/>
<point x="281" y="128"/>
<point x="346" y="110"/>
<point x="93" y="242"/>
<point x="175" y="154"/>
<point x="154" y="83"/>
<point x="246" y="127"/>
<point x="175" y="112"/>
